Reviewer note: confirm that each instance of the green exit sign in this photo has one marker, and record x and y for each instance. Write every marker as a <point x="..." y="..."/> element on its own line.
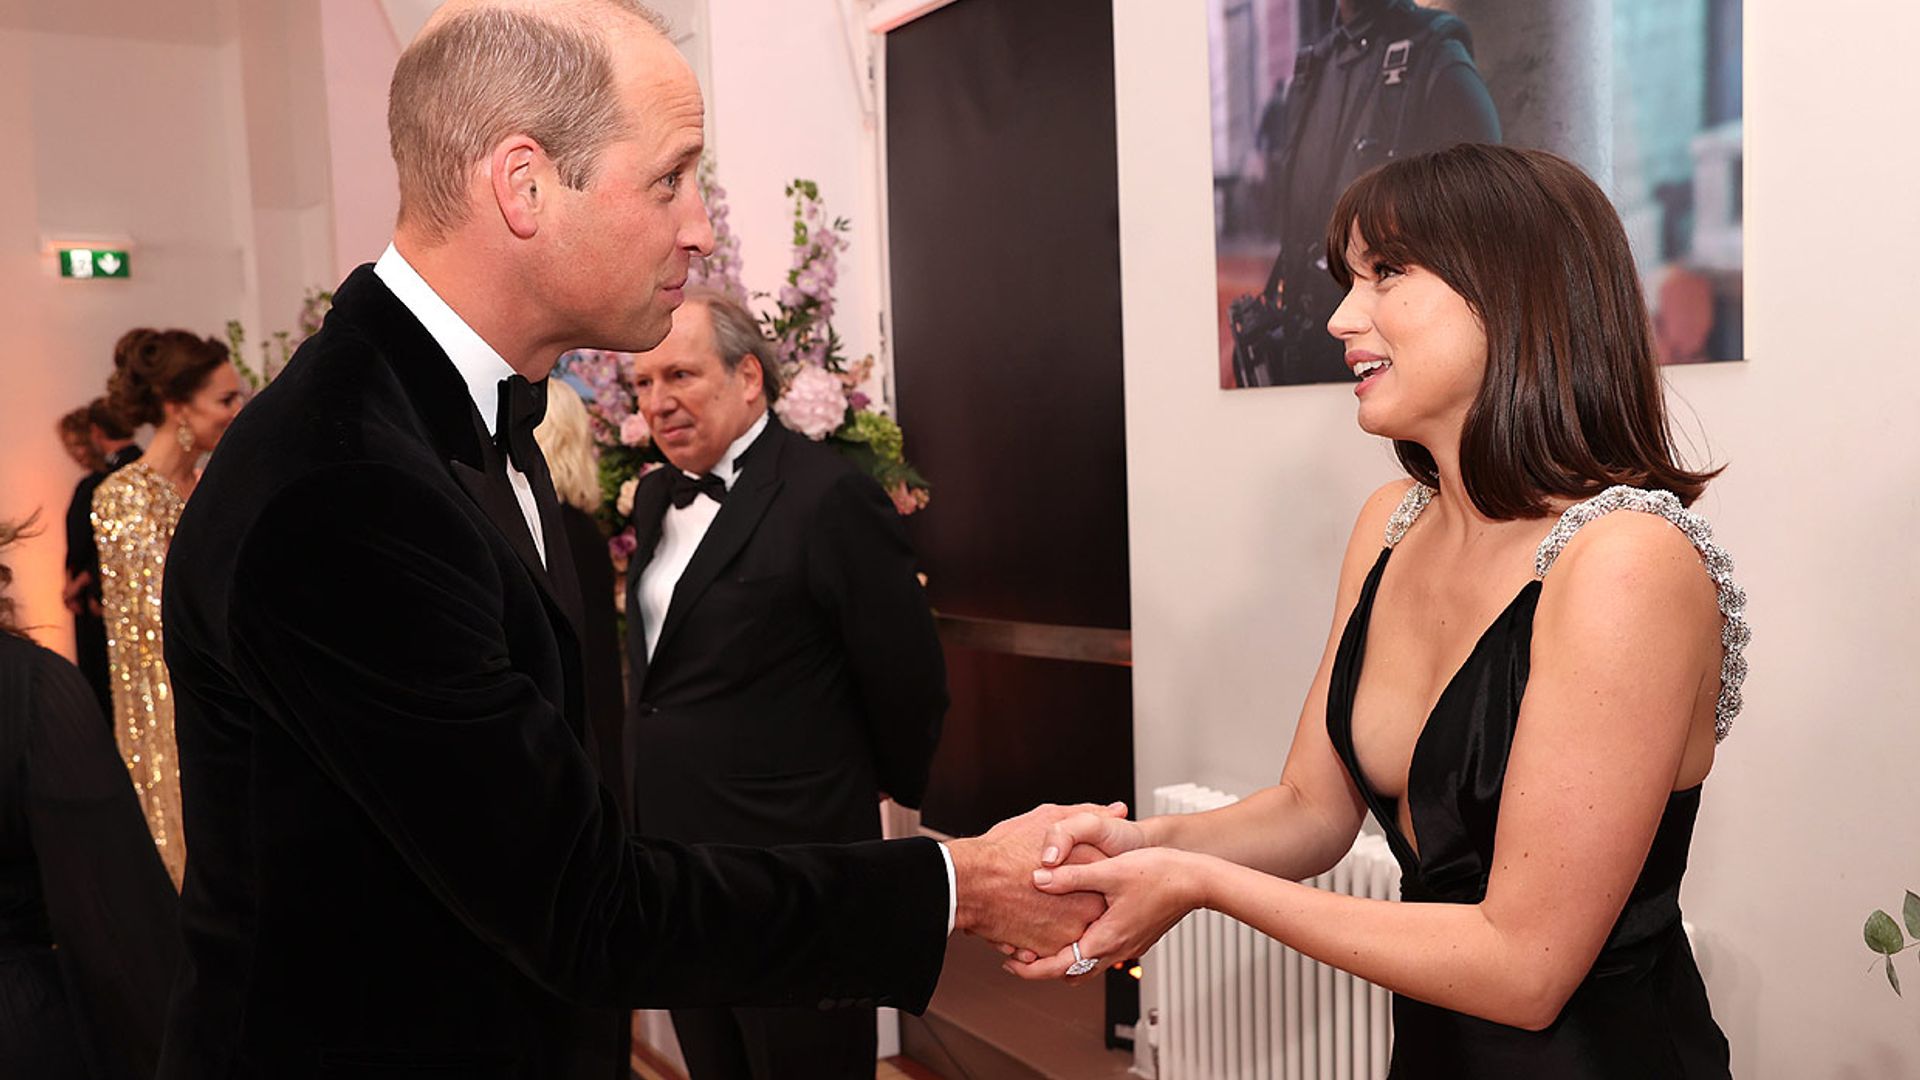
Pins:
<point x="82" y="262"/>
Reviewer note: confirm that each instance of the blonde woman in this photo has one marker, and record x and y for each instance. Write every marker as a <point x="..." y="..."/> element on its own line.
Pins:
<point x="566" y="441"/>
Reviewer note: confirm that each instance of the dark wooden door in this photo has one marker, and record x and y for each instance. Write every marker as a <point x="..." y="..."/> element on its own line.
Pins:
<point x="1004" y="222"/>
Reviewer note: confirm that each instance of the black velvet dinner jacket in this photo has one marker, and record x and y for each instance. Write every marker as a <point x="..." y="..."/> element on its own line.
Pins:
<point x="797" y="671"/>
<point x="399" y="860"/>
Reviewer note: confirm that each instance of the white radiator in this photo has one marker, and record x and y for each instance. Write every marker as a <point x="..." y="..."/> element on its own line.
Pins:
<point x="1226" y="1002"/>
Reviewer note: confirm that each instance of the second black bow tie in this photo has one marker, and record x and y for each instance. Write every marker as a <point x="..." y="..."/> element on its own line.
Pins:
<point x="523" y="405"/>
<point x="688" y="488"/>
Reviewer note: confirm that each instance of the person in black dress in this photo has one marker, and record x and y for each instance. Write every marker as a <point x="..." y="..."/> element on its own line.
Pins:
<point x="88" y="944"/>
<point x="1524" y="686"/>
<point x="112" y="440"/>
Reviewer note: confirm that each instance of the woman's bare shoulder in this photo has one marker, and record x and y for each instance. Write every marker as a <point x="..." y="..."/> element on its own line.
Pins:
<point x="1634" y="568"/>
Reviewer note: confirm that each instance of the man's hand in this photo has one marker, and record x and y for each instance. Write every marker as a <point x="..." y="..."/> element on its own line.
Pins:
<point x="993" y="878"/>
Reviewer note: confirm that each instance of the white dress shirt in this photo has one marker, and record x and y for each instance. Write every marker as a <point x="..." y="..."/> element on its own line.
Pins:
<point x="479" y="366"/>
<point x="681" y="530"/>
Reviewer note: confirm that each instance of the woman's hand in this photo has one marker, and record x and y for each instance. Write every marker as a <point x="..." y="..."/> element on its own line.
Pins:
<point x="1148" y="890"/>
<point x="1108" y="832"/>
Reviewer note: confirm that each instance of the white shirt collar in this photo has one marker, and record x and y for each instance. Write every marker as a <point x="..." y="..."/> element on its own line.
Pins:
<point x="479" y="366"/>
<point x="725" y="469"/>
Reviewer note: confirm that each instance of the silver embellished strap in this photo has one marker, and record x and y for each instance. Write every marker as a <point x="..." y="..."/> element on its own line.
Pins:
<point x="1414" y="501"/>
<point x="1734" y="636"/>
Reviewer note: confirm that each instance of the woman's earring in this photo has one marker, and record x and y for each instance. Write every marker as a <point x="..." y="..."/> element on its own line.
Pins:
<point x="184" y="435"/>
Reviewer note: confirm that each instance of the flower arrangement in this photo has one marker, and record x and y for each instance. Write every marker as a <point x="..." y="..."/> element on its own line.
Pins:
<point x="823" y="400"/>
<point x="313" y="310"/>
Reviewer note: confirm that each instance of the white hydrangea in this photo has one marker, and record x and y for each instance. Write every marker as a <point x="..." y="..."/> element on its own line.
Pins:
<point x="813" y="404"/>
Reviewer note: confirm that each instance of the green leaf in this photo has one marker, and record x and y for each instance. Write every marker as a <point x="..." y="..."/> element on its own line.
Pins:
<point x="1910" y="911"/>
<point x="1893" y="976"/>
<point x="1882" y="934"/>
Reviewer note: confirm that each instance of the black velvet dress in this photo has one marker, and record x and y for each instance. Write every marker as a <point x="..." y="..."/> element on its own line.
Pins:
<point x="1642" y="1011"/>
<point x="88" y="940"/>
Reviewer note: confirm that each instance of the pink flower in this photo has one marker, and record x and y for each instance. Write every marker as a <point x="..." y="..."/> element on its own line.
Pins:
<point x="906" y="500"/>
<point x="623" y="504"/>
<point x="814" y="403"/>
<point x="633" y="431"/>
<point x="620" y="549"/>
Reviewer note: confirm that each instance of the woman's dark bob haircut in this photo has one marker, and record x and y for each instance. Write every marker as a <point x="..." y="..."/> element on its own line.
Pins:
<point x="1572" y="400"/>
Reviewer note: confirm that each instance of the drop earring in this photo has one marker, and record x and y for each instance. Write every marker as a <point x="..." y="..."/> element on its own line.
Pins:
<point x="184" y="436"/>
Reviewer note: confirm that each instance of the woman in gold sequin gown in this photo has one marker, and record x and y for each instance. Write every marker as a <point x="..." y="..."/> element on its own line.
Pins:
<point x="187" y="389"/>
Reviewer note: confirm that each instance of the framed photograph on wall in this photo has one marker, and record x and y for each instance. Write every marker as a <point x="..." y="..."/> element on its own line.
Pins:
<point x="1308" y="94"/>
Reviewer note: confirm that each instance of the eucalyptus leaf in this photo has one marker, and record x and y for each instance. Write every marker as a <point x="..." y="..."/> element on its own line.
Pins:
<point x="1883" y="934"/>
<point x="1910" y="911"/>
<point x="1893" y="976"/>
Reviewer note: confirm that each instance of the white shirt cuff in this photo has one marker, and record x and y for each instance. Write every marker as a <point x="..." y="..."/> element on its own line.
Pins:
<point x="953" y="889"/>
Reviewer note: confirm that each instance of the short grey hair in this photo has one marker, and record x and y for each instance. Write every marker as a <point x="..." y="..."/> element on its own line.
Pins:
<point x="482" y="75"/>
<point x="737" y="335"/>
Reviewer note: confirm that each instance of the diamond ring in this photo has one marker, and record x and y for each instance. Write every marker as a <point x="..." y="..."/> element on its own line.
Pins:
<point x="1082" y="964"/>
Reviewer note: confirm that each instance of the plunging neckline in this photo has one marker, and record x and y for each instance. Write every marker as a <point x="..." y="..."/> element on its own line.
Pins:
<point x="1371" y="792"/>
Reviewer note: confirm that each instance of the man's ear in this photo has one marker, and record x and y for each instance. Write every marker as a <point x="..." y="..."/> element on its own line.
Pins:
<point x="756" y="377"/>
<point x="520" y="177"/>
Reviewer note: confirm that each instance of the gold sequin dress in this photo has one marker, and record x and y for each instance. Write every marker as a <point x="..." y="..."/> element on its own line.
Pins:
<point x="135" y="512"/>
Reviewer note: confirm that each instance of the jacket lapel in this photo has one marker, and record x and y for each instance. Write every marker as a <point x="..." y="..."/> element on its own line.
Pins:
<point x="746" y="504"/>
<point x="649" y="514"/>
<point x="562" y="578"/>
<point x="487" y="485"/>
<point x="490" y="490"/>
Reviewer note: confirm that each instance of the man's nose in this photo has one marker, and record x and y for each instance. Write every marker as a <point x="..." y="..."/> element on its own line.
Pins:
<point x="696" y="234"/>
<point x="654" y="402"/>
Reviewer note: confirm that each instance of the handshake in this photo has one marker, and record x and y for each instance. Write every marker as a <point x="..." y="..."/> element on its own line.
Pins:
<point x="1061" y="888"/>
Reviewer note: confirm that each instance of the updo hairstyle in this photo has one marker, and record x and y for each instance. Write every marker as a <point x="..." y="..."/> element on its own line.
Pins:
<point x="154" y="367"/>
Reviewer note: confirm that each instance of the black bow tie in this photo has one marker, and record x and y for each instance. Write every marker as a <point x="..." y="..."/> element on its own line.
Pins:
<point x="688" y="488"/>
<point x="522" y="406"/>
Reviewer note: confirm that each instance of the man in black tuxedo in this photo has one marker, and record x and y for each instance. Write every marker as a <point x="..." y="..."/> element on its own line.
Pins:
<point x="401" y="864"/>
<point x="785" y="669"/>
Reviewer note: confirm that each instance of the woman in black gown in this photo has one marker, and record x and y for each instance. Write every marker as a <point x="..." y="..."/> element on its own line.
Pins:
<point x="1524" y="686"/>
<point x="88" y="943"/>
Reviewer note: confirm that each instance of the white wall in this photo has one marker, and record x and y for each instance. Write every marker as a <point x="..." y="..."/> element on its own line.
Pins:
<point x="785" y="104"/>
<point x="288" y="158"/>
<point x="1808" y="820"/>
<point x="360" y="49"/>
<point x="109" y="136"/>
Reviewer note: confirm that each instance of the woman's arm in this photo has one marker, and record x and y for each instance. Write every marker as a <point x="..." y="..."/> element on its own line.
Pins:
<point x="1302" y="825"/>
<point x="1625" y="666"/>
